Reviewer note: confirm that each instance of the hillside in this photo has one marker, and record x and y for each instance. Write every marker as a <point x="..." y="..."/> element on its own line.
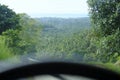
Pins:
<point x="66" y="25"/>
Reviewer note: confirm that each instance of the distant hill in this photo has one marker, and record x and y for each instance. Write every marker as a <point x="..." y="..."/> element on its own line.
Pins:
<point x="66" y="25"/>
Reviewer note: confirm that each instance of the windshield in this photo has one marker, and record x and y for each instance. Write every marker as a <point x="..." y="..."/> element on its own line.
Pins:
<point x="82" y="31"/>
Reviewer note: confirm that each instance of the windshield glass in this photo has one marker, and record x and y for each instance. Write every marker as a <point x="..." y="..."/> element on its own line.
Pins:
<point x="82" y="31"/>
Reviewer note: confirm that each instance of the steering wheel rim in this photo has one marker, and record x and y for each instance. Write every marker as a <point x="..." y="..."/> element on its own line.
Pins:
<point x="52" y="68"/>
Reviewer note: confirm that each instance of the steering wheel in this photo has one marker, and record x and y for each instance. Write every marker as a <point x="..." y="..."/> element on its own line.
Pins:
<point x="52" y="68"/>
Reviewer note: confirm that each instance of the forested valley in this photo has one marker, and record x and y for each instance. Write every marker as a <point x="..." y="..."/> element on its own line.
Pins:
<point x="93" y="40"/>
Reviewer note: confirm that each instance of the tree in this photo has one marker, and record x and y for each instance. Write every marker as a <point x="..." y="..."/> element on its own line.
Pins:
<point x="8" y="19"/>
<point x="29" y="34"/>
<point x="105" y="14"/>
<point x="25" y="39"/>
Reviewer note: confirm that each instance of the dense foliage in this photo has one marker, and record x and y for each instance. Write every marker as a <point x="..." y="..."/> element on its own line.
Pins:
<point x="21" y="40"/>
<point x="105" y="14"/>
<point x="64" y="25"/>
<point x="8" y="19"/>
<point x="71" y="39"/>
<point x="105" y="19"/>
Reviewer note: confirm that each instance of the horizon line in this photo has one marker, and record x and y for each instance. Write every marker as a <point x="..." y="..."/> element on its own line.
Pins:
<point x="59" y="15"/>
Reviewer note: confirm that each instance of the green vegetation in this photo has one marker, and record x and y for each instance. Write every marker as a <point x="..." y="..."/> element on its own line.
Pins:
<point x="8" y="19"/>
<point x="105" y="15"/>
<point x="105" y="36"/>
<point x="61" y="25"/>
<point x="67" y="39"/>
<point x="5" y="51"/>
<point x="105" y="19"/>
<point x="19" y="33"/>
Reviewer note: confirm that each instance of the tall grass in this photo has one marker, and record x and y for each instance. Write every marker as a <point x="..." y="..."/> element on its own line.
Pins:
<point x="5" y="52"/>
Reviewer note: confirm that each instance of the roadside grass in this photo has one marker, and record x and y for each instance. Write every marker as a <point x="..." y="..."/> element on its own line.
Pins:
<point x="5" y="52"/>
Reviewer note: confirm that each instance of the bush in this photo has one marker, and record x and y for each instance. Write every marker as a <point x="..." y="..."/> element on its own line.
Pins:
<point x="5" y="51"/>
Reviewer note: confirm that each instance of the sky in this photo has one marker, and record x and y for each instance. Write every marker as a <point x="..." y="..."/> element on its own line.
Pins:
<point x="48" y="8"/>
